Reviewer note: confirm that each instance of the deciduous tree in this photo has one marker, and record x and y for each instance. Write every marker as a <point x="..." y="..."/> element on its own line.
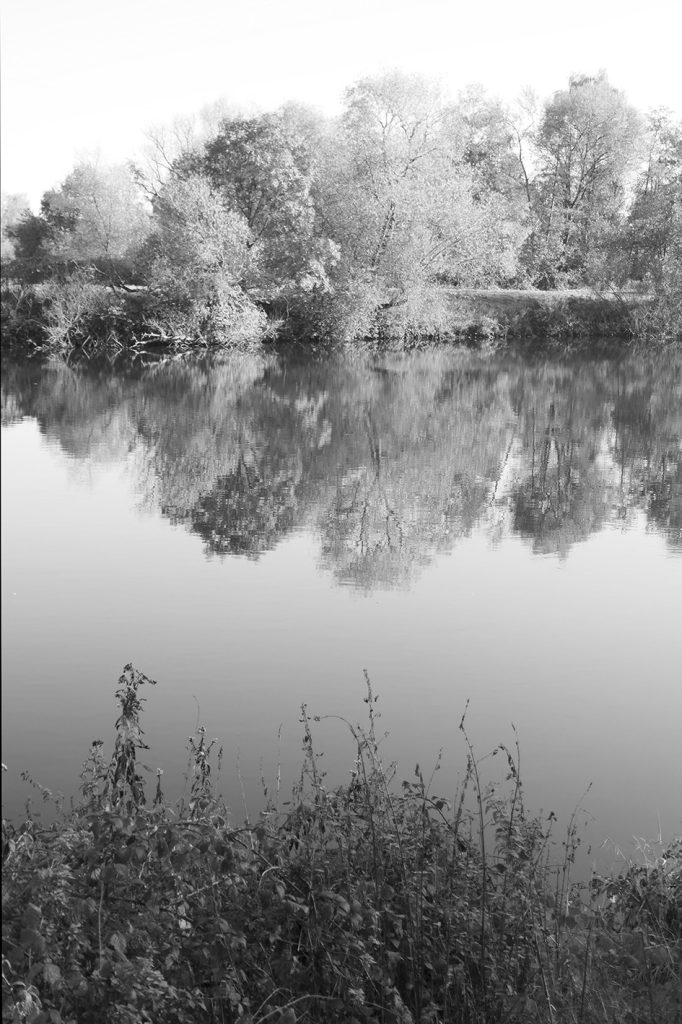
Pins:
<point x="406" y="207"/>
<point x="96" y="219"/>
<point x="14" y="209"/>
<point x="196" y="262"/>
<point x="587" y="143"/>
<point x="653" y="217"/>
<point x="263" y="169"/>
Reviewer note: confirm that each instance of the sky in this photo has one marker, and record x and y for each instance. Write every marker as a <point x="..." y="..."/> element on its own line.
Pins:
<point x="83" y="79"/>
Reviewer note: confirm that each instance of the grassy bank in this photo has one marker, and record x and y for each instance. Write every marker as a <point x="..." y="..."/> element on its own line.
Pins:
<point x="547" y="320"/>
<point x="365" y="903"/>
<point x="82" y="316"/>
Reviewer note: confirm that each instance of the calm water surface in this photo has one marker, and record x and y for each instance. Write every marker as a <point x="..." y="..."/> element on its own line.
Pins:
<point x="253" y="535"/>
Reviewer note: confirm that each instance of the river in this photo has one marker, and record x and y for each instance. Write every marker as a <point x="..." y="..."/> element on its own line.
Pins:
<point x="254" y="533"/>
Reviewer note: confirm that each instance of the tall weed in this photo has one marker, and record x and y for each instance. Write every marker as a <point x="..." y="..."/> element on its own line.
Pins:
<point x="368" y="902"/>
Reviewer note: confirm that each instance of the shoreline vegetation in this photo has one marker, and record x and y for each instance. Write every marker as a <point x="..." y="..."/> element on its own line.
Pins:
<point x="530" y="322"/>
<point x="488" y="320"/>
<point x="409" y="219"/>
<point x="368" y="902"/>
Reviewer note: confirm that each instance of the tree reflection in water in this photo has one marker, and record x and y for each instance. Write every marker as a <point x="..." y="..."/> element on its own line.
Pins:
<point x="388" y="460"/>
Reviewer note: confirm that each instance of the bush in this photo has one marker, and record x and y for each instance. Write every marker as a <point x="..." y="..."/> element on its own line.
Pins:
<point x="217" y="315"/>
<point x="75" y="307"/>
<point x="361" y="904"/>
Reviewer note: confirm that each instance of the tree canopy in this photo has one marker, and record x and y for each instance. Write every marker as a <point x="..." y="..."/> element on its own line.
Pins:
<point x="360" y="224"/>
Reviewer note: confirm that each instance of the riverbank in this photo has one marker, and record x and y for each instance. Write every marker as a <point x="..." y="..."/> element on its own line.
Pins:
<point x="547" y="319"/>
<point x="97" y="320"/>
<point x="369" y="902"/>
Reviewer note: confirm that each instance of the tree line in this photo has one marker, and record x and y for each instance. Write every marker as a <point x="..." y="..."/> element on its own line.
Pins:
<point x="290" y="222"/>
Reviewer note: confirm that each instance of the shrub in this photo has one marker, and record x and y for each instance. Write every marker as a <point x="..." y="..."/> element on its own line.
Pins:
<point x="362" y="903"/>
<point x="75" y="307"/>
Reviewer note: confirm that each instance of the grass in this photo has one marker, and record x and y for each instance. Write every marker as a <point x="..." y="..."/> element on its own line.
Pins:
<point x="367" y="902"/>
<point x="543" y="320"/>
<point x="81" y="315"/>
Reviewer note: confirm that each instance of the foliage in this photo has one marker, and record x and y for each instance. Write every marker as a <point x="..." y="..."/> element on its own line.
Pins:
<point x="587" y="141"/>
<point x="14" y="208"/>
<point x="653" y="220"/>
<point x="262" y="167"/>
<point x="195" y="263"/>
<point x="398" y="197"/>
<point x="368" y="902"/>
<point x="75" y="307"/>
<point x="23" y="315"/>
<point x="651" y="249"/>
<point x="659" y="322"/>
<point x="343" y="229"/>
<point x="97" y="220"/>
<point x="94" y="223"/>
<point x="488" y="139"/>
<point x="29" y="241"/>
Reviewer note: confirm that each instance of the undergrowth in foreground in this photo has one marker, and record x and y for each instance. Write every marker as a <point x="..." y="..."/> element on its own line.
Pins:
<point x="365" y="903"/>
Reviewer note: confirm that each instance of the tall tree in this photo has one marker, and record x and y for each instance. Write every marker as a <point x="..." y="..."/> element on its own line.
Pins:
<point x="587" y="143"/>
<point x="652" y="222"/>
<point x="14" y="209"/>
<point x="392" y="128"/>
<point x="263" y="168"/>
<point x="196" y="262"/>
<point x="405" y="206"/>
<point x="96" y="219"/>
<point x="489" y="142"/>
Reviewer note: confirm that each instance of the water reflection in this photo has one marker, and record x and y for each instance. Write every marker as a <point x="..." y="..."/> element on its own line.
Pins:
<point x="387" y="460"/>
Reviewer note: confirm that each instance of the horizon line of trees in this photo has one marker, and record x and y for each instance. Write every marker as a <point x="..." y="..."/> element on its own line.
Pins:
<point x="344" y="226"/>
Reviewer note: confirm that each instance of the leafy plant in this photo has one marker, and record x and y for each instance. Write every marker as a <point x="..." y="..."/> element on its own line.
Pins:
<point x="367" y="902"/>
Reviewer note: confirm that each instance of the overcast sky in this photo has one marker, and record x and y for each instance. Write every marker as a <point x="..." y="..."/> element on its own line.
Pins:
<point x="81" y="77"/>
